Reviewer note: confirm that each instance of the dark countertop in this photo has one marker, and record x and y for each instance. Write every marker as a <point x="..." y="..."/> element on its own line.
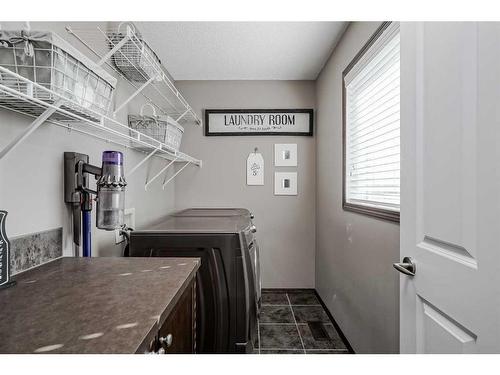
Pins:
<point x="91" y="305"/>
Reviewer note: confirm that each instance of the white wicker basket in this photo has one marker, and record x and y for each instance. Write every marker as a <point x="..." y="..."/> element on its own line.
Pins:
<point x="162" y="128"/>
<point x="46" y="59"/>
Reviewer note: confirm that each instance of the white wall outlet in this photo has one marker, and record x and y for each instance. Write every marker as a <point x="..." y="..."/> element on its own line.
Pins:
<point x="118" y="237"/>
<point x="129" y="222"/>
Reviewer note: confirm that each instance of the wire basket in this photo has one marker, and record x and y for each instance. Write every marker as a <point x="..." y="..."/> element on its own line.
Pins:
<point x="162" y="128"/>
<point x="134" y="59"/>
<point x="60" y="71"/>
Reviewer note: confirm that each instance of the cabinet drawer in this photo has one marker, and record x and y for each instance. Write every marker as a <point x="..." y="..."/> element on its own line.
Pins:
<point x="177" y="335"/>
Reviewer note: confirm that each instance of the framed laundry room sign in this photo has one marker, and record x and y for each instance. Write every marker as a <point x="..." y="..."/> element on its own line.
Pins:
<point x="220" y="122"/>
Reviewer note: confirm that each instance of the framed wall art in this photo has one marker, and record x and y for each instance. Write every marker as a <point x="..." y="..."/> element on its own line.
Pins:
<point x="285" y="183"/>
<point x="285" y="155"/>
<point x="232" y="122"/>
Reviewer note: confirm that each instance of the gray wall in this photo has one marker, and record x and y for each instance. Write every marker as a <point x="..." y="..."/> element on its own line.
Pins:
<point x="354" y="253"/>
<point x="31" y="176"/>
<point x="286" y="224"/>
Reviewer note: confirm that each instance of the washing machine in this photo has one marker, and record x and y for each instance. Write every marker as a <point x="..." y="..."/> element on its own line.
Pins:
<point x="228" y="281"/>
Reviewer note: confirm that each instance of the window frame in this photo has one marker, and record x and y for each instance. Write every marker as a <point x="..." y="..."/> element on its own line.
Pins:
<point x="381" y="213"/>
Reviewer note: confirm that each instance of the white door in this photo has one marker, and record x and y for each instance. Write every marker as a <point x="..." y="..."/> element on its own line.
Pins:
<point x="450" y="187"/>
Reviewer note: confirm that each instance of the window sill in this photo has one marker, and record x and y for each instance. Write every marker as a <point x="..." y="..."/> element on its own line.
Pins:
<point x="373" y="212"/>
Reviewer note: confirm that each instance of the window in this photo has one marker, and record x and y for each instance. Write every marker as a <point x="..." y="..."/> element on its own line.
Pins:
<point x="371" y="127"/>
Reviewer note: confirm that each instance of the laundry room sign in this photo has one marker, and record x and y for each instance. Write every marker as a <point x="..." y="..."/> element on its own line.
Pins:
<point x="258" y="122"/>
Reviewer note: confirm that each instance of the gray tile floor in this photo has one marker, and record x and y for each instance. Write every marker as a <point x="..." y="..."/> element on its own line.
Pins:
<point x="294" y="322"/>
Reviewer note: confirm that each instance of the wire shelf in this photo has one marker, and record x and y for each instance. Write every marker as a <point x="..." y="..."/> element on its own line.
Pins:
<point x="48" y="60"/>
<point x="107" y="129"/>
<point x="122" y="50"/>
<point x="134" y="58"/>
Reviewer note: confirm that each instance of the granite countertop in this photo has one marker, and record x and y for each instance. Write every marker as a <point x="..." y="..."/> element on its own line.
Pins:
<point x="92" y="305"/>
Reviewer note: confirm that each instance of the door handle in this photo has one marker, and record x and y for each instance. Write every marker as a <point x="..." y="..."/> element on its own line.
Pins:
<point x="407" y="267"/>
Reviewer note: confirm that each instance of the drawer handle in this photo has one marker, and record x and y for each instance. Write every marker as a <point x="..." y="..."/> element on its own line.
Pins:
<point x="160" y="351"/>
<point x="166" y="341"/>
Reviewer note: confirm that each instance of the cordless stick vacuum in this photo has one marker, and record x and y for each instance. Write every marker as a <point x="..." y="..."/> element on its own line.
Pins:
<point x="110" y="195"/>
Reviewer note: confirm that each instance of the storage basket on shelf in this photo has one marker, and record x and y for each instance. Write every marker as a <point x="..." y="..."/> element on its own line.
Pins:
<point x="49" y="61"/>
<point x="135" y="59"/>
<point x="162" y="128"/>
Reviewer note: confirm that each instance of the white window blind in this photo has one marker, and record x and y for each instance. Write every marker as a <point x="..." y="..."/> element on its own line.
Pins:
<point x="372" y="115"/>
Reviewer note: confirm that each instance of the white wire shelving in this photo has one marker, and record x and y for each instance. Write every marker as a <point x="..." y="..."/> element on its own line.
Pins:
<point x="154" y="86"/>
<point x="123" y="51"/>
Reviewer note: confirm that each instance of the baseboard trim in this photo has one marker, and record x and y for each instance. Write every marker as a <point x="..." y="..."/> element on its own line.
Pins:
<point x="288" y="289"/>
<point x="335" y="324"/>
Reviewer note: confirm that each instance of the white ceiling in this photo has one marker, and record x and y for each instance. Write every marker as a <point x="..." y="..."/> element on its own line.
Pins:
<point x="243" y="50"/>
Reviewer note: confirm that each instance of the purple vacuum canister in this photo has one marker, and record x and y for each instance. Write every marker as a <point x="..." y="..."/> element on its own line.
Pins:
<point x="111" y="192"/>
<point x="112" y="157"/>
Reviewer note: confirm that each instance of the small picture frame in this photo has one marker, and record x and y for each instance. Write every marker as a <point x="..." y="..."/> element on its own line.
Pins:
<point x="285" y="183"/>
<point x="285" y="155"/>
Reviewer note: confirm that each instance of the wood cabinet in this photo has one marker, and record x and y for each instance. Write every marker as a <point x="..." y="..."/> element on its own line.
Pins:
<point x="177" y="335"/>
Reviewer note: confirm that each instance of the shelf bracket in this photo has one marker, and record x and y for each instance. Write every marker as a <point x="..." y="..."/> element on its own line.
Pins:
<point x="159" y="173"/>
<point x="136" y="167"/>
<point x="70" y="31"/>
<point x="137" y="92"/>
<point x="113" y="50"/>
<point x="181" y="116"/>
<point x="175" y="175"/>
<point x="31" y="128"/>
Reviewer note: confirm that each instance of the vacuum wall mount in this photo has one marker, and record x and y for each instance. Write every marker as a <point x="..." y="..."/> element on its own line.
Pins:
<point x="110" y="194"/>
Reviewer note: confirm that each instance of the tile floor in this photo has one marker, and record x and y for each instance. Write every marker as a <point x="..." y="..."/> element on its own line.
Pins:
<point x="294" y="322"/>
